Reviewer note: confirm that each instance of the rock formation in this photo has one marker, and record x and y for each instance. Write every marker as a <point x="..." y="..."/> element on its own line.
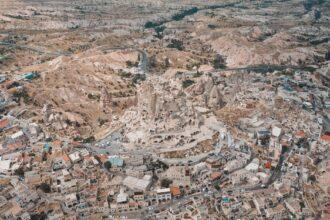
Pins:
<point x="215" y="99"/>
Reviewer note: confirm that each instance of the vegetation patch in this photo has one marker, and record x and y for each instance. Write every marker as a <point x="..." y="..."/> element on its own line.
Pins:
<point x="187" y="83"/>
<point x="177" y="44"/>
<point x="137" y="78"/>
<point x="183" y="14"/>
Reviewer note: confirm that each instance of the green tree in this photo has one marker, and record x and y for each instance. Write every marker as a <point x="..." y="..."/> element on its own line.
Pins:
<point x="44" y="187"/>
<point x="107" y="165"/>
<point x="19" y="172"/>
<point x="165" y="183"/>
<point x="187" y="83"/>
<point x="219" y="62"/>
<point x="178" y="44"/>
<point x="159" y="31"/>
<point x="138" y="78"/>
<point x="217" y="187"/>
<point x="89" y="139"/>
<point x="40" y="216"/>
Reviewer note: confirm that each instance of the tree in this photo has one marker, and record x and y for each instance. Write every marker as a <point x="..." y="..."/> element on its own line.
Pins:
<point x="159" y="31"/>
<point x="102" y="121"/>
<point x="77" y="138"/>
<point x="312" y="178"/>
<point x="187" y="83"/>
<point x="212" y="26"/>
<point x="178" y="44"/>
<point x="155" y="178"/>
<point x="308" y="5"/>
<point x="110" y="199"/>
<point x="138" y="78"/>
<point x="44" y="187"/>
<point x="217" y="187"/>
<point x="165" y="183"/>
<point x="317" y="14"/>
<point x="151" y="24"/>
<point x="89" y="139"/>
<point x="22" y="94"/>
<point x="44" y="156"/>
<point x="107" y="165"/>
<point x="167" y="62"/>
<point x="19" y="172"/>
<point x="179" y="16"/>
<point x="219" y="62"/>
<point x="41" y="216"/>
<point x="163" y="165"/>
<point x="131" y="64"/>
<point x="327" y="55"/>
<point x="153" y="61"/>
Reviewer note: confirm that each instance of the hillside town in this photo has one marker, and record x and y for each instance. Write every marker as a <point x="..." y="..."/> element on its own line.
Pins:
<point x="166" y="129"/>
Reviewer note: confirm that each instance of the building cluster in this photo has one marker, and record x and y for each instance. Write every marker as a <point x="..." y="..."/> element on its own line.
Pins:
<point x="214" y="148"/>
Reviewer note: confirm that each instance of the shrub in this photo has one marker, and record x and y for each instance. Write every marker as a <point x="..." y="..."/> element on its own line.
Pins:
<point x="131" y="64"/>
<point x="78" y="138"/>
<point x="41" y="216"/>
<point x="212" y="26"/>
<point x="187" y="83"/>
<point x="107" y="165"/>
<point x="165" y="183"/>
<point x="197" y="74"/>
<point x="102" y="121"/>
<point x="89" y="139"/>
<point x="125" y="74"/>
<point x="178" y="74"/>
<point x="44" y="187"/>
<point x="19" y="172"/>
<point x="219" y="62"/>
<point x="22" y="94"/>
<point x="94" y="97"/>
<point x="152" y="61"/>
<point x="327" y="55"/>
<point x="178" y="44"/>
<point x="138" y="78"/>
<point x="151" y="24"/>
<point x="159" y="31"/>
<point x="181" y="15"/>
